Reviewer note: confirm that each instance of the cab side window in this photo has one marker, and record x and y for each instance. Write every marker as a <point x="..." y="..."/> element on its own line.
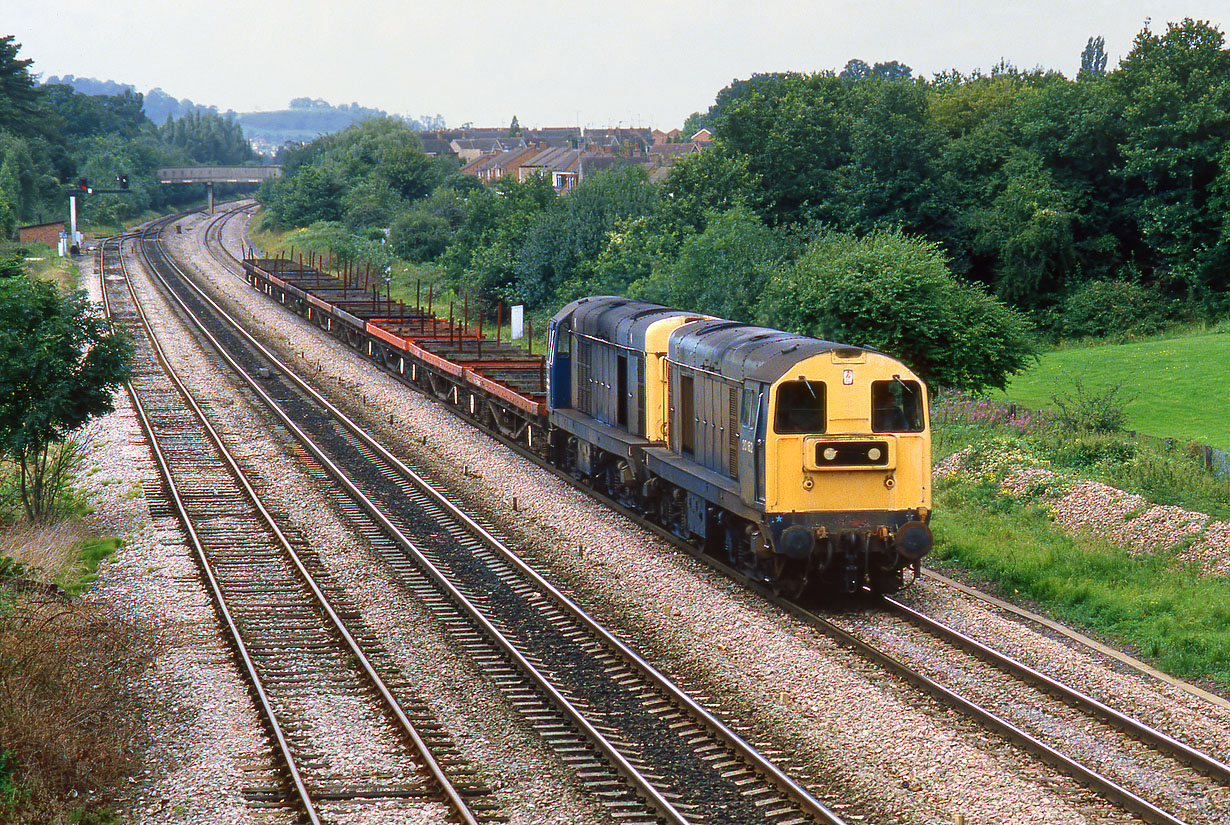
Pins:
<point x="800" y="407"/>
<point x="747" y="409"/>
<point x="896" y="407"/>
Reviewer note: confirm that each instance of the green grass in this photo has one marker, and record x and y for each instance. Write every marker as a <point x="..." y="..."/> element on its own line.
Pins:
<point x="87" y="555"/>
<point x="1151" y="602"/>
<point x="1178" y="382"/>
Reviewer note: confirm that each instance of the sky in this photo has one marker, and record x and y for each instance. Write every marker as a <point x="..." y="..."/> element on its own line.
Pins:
<point x="623" y="63"/>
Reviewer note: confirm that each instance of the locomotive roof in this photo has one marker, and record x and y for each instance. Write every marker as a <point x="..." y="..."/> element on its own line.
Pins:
<point x="739" y="351"/>
<point x="620" y="320"/>
<point x="730" y="348"/>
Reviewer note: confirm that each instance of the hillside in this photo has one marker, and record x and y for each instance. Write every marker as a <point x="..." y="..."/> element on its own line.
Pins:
<point x="308" y="119"/>
<point x="303" y="120"/>
<point x="1178" y="383"/>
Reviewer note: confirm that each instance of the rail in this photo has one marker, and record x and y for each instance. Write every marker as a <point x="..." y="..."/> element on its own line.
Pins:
<point x="663" y="799"/>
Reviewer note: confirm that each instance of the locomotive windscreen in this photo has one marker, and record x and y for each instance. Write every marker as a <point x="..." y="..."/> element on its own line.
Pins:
<point x="800" y="407"/>
<point x="896" y="406"/>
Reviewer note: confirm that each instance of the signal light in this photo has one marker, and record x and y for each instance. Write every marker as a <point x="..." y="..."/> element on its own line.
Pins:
<point x="123" y="179"/>
<point x="83" y="183"/>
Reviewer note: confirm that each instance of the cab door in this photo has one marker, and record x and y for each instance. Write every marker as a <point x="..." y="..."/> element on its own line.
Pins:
<point x="753" y="423"/>
<point x="559" y="376"/>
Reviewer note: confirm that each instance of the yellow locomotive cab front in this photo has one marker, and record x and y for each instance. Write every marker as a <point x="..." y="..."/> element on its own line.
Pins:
<point x="848" y="434"/>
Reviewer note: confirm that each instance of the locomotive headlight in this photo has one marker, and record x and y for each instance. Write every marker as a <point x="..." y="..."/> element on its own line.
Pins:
<point x="829" y="453"/>
<point x="874" y="454"/>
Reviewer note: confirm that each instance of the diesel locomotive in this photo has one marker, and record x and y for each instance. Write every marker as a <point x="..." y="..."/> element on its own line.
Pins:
<point x="803" y="464"/>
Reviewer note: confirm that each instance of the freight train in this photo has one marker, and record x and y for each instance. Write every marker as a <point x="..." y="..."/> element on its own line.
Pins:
<point x="803" y="464"/>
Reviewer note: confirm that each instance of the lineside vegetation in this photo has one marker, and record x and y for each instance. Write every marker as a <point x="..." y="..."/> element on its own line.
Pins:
<point x="1159" y="599"/>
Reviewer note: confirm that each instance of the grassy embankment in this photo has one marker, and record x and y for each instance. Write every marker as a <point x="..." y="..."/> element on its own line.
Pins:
<point x="1155" y="602"/>
<point x="69" y="719"/>
<point x="1178" y="382"/>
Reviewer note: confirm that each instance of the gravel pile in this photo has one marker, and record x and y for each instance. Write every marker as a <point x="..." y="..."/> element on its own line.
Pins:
<point x="1125" y="519"/>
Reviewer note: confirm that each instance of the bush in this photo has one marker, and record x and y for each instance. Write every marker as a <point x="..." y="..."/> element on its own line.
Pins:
<point x="1116" y="309"/>
<point x="1099" y="412"/>
<point x="418" y="235"/>
<point x="69" y="718"/>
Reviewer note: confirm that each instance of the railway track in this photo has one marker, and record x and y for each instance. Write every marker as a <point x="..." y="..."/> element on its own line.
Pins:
<point x="1139" y="768"/>
<point x="644" y="747"/>
<point x="1142" y="770"/>
<point x="315" y="677"/>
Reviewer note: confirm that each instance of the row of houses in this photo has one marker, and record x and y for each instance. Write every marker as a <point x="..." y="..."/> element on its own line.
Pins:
<point x="564" y="156"/>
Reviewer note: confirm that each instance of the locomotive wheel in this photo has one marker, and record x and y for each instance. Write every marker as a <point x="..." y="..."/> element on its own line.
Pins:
<point x="789" y="578"/>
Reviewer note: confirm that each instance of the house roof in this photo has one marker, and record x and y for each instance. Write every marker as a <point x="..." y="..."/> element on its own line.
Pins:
<point x="433" y="145"/>
<point x="488" y="146"/>
<point x="673" y="150"/>
<point x="554" y="159"/>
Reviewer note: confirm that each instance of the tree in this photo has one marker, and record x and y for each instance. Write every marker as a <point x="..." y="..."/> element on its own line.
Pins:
<point x="514" y="128"/>
<point x="564" y="240"/>
<point x="794" y="131"/>
<point x="208" y="139"/>
<point x="483" y="254"/>
<point x="721" y="271"/>
<point x="1027" y="229"/>
<point x="313" y="194"/>
<point x="1176" y="117"/>
<point x="708" y="180"/>
<point x="892" y="71"/>
<point x="59" y="364"/>
<point x="1093" y="59"/>
<point x="855" y="70"/>
<point x="888" y="177"/>
<point x="895" y="292"/>
<point x="17" y="90"/>
<point x="418" y="235"/>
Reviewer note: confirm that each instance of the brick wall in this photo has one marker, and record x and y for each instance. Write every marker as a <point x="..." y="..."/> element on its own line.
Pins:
<point x="48" y="233"/>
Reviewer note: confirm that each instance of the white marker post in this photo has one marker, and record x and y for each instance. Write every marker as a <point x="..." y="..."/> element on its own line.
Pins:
<point x="518" y="322"/>
<point x="72" y="218"/>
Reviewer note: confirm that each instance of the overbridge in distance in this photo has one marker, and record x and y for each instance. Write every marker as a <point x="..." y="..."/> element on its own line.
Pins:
<point x="209" y="175"/>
